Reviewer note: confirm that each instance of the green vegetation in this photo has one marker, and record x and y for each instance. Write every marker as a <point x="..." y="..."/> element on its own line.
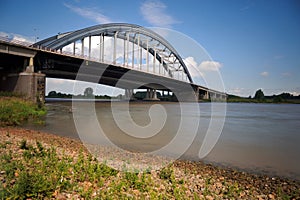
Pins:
<point x="87" y="94"/>
<point x="40" y="172"/>
<point x="10" y="94"/>
<point x="259" y="97"/>
<point x="15" y="110"/>
<point x="31" y="169"/>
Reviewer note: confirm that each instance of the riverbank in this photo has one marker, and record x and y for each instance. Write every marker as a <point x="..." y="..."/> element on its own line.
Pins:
<point x="40" y="165"/>
<point x="14" y="110"/>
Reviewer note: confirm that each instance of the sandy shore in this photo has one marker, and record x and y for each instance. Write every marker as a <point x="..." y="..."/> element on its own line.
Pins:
<point x="198" y="178"/>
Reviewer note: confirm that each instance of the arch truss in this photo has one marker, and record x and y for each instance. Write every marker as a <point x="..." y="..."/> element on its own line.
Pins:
<point x="126" y="45"/>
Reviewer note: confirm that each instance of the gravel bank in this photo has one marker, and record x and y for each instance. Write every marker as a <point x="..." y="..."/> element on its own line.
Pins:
<point x="195" y="179"/>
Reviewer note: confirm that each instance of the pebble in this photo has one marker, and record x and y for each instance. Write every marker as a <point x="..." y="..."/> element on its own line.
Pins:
<point x="271" y="196"/>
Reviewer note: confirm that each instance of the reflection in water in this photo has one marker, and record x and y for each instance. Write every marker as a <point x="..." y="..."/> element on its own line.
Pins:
<point x="259" y="137"/>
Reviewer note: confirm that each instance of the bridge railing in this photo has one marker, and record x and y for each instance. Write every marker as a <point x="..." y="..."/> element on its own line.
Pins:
<point x="31" y="45"/>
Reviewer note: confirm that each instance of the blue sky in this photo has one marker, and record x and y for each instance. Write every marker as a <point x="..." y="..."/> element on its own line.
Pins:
<point x="256" y="44"/>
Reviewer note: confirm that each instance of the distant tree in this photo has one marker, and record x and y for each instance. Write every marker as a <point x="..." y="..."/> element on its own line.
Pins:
<point x="286" y="95"/>
<point x="52" y="94"/>
<point x="259" y="95"/>
<point x="88" y="92"/>
<point x="277" y="99"/>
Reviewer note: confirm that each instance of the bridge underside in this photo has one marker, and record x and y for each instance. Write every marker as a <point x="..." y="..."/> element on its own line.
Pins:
<point x="15" y="73"/>
<point x="116" y="76"/>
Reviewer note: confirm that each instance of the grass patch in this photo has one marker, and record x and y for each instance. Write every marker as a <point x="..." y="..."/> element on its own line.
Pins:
<point x="38" y="172"/>
<point x="14" y="111"/>
<point x="31" y="168"/>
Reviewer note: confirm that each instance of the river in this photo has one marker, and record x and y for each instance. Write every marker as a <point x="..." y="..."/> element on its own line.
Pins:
<point x="262" y="138"/>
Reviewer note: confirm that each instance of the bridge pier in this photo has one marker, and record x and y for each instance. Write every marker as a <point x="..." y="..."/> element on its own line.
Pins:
<point x="203" y="95"/>
<point x="28" y="83"/>
<point x="214" y="96"/>
<point x="151" y="95"/>
<point x="188" y="96"/>
<point x="129" y="94"/>
<point x="206" y="95"/>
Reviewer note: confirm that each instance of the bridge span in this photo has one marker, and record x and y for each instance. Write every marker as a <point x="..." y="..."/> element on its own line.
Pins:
<point x="121" y="55"/>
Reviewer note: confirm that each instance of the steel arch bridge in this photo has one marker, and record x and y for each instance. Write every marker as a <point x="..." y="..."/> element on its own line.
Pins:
<point x="121" y="44"/>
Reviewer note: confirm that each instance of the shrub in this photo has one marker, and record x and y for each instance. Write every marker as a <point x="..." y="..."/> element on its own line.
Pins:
<point x="14" y="111"/>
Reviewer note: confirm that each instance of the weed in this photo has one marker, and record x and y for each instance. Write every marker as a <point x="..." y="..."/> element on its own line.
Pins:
<point x="23" y="145"/>
<point x="3" y="145"/>
<point x="8" y="165"/>
<point x="14" y="111"/>
<point x="167" y="174"/>
<point x="39" y="172"/>
<point x="206" y="190"/>
<point x="181" y="181"/>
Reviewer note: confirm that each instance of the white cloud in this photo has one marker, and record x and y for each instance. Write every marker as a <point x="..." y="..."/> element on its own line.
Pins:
<point x="242" y="92"/>
<point x="193" y="67"/>
<point x="154" y="12"/>
<point x="17" y="37"/>
<point x="3" y="34"/>
<point x="78" y="87"/>
<point x="210" y="65"/>
<point x="265" y="74"/>
<point x="89" y="14"/>
<point x="295" y="93"/>
<point x="198" y="70"/>
<point x="58" y="81"/>
<point x="237" y="91"/>
<point x="190" y="61"/>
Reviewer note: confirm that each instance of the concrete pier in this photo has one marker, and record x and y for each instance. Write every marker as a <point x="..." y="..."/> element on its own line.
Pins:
<point x="151" y="95"/>
<point x="28" y="83"/>
<point x="129" y="94"/>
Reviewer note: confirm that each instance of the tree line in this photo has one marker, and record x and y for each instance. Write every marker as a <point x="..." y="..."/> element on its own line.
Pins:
<point x="88" y="93"/>
<point x="260" y="97"/>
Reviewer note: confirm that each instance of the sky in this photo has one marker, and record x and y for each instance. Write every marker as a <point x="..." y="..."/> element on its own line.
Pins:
<point x="254" y="44"/>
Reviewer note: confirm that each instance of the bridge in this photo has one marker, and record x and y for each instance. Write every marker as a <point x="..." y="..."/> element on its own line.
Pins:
<point x="121" y="55"/>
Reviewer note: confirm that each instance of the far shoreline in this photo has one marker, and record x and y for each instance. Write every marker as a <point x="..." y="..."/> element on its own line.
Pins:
<point x="245" y="100"/>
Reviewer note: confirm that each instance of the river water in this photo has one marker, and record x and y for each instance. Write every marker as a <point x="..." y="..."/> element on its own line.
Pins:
<point x="263" y="138"/>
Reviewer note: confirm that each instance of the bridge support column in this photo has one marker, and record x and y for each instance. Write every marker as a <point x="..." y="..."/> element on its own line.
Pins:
<point x="151" y="95"/>
<point x="203" y="94"/>
<point x="224" y="97"/>
<point x="188" y="96"/>
<point x="213" y="96"/>
<point x="27" y="83"/>
<point x="129" y="94"/>
<point x="206" y="95"/>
